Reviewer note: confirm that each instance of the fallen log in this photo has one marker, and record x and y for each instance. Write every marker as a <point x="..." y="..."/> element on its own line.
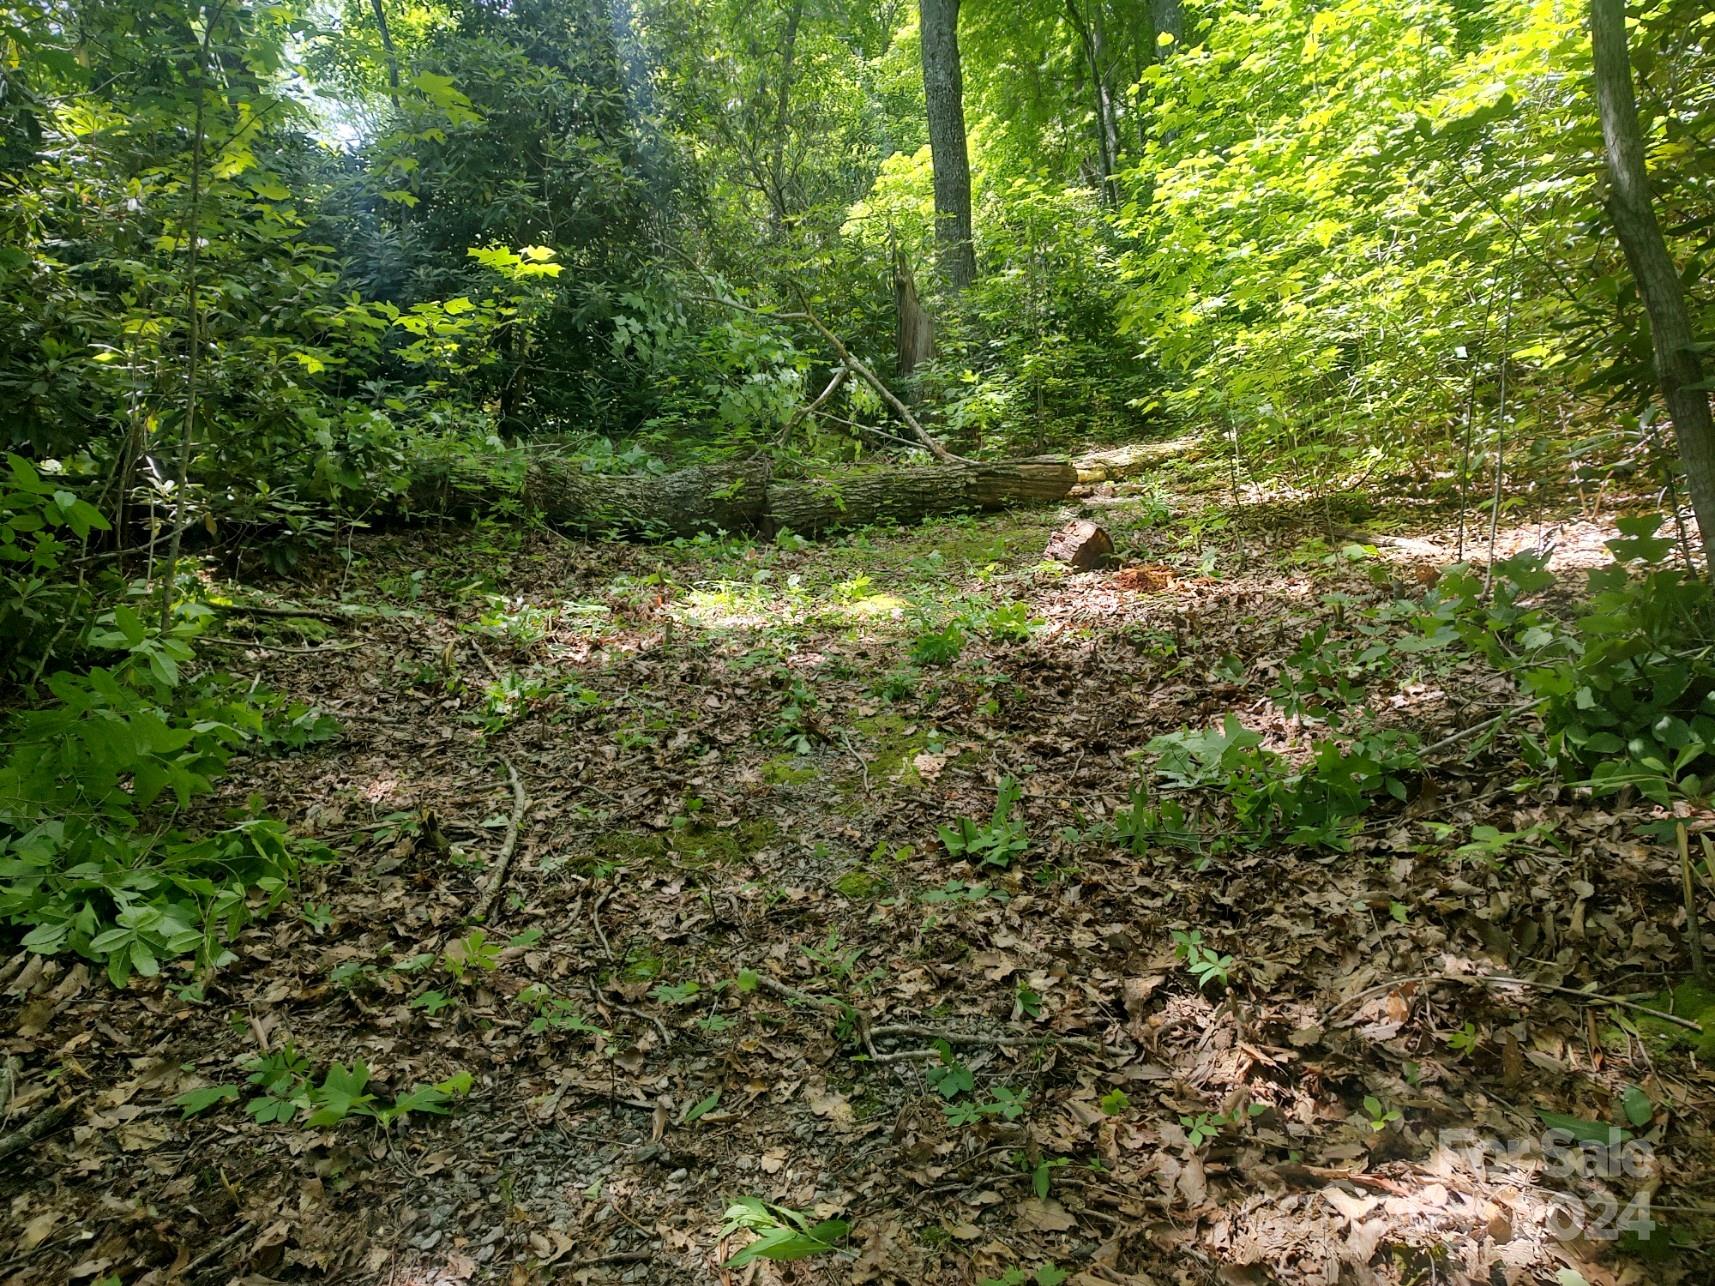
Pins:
<point x="909" y="495"/>
<point x="728" y="497"/>
<point x="745" y="496"/>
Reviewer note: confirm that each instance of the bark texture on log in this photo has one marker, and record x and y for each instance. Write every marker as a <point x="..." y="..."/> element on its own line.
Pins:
<point x="1081" y="545"/>
<point x="727" y="496"/>
<point x="744" y="496"/>
<point x="910" y="495"/>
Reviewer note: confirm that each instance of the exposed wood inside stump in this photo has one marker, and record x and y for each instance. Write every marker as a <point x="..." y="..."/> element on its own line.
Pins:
<point x="1081" y="545"/>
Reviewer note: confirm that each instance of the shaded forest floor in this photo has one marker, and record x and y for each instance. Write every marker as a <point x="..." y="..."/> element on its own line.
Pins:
<point x="730" y="937"/>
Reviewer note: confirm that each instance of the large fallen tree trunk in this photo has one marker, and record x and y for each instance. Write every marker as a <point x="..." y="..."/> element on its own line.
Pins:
<point x="729" y="497"/>
<point x="910" y="495"/>
<point x="745" y="497"/>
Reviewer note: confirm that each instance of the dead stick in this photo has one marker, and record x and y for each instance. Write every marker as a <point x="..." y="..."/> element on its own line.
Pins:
<point x="1497" y="980"/>
<point x="810" y="408"/>
<point x="218" y="1250"/>
<point x="503" y="864"/>
<point x="8" y="1079"/>
<point x="882" y="391"/>
<point x="1693" y="922"/>
<point x="44" y="1122"/>
<point x="974" y="1038"/>
<point x="253" y="645"/>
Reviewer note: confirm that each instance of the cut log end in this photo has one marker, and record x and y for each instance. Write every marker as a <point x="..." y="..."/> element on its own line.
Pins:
<point x="1081" y="545"/>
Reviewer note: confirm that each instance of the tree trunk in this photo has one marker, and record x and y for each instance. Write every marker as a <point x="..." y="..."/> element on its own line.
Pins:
<point x="387" y="51"/>
<point x="708" y="498"/>
<point x="1629" y="206"/>
<point x="1169" y="17"/>
<point x="910" y="495"/>
<point x="944" y="95"/>
<point x="1090" y="38"/>
<point x="739" y="497"/>
<point x="916" y="332"/>
<point x="1081" y="545"/>
<point x="782" y="118"/>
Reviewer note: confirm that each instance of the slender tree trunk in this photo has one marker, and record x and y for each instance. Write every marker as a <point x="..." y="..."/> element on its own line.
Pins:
<point x="1169" y="16"/>
<point x="387" y="48"/>
<point x="1630" y="207"/>
<point x="1107" y="126"/>
<point x="193" y="326"/>
<point x="944" y="94"/>
<point x="782" y="112"/>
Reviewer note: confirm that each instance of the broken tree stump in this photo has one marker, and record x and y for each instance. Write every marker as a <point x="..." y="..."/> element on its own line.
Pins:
<point x="1081" y="545"/>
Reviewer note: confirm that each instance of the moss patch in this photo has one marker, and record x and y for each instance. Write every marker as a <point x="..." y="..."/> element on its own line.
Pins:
<point x="1690" y="999"/>
<point x="897" y="743"/>
<point x="787" y="770"/>
<point x="859" y="885"/>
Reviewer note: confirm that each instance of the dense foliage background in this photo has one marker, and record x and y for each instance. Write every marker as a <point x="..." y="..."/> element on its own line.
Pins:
<point x="1323" y="226"/>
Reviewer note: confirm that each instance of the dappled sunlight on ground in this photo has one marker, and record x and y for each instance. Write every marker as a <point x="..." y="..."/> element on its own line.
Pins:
<point x="734" y="929"/>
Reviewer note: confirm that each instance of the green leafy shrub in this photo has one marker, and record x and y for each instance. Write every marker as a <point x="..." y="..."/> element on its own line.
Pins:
<point x="38" y="597"/>
<point x="1630" y="691"/>
<point x="94" y="858"/>
<point x="781" y="1233"/>
<point x="938" y="646"/>
<point x="1270" y="799"/>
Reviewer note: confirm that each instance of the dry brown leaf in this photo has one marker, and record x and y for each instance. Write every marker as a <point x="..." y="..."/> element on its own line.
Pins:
<point x="1039" y="1214"/>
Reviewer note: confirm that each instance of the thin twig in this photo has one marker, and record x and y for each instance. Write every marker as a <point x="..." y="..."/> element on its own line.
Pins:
<point x="863" y="765"/>
<point x="975" y="1038"/>
<point x="218" y="1251"/>
<point x="595" y="918"/>
<point x="280" y="647"/>
<point x="503" y="863"/>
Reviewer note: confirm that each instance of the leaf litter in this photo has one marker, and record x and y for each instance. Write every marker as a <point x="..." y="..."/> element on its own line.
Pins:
<point x="731" y="962"/>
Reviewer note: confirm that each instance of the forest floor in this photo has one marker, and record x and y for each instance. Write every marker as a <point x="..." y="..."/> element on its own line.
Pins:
<point x="730" y="939"/>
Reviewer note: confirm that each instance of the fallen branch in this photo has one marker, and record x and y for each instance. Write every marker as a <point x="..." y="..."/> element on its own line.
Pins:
<point x="253" y="645"/>
<point x="337" y="617"/>
<point x="810" y="408"/>
<point x="216" y="1253"/>
<point x="1500" y="980"/>
<point x="913" y="1029"/>
<point x="869" y="377"/>
<point x="975" y="1038"/>
<point x="503" y="864"/>
<point x="43" y="1123"/>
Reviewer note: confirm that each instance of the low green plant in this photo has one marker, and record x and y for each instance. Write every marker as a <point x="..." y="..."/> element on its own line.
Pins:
<point x="1046" y="1275"/>
<point x="1204" y="963"/>
<point x="1006" y="1103"/>
<point x="781" y="1233"/>
<point x="1008" y="623"/>
<point x="950" y="1077"/>
<point x="938" y="646"/>
<point x="94" y="856"/>
<point x="473" y="952"/>
<point x="1315" y="806"/>
<point x="554" y="1013"/>
<point x="285" y="1090"/>
<point x="1000" y="841"/>
<point x="1379" y="1114"/>
<point x="1202" y="1127"/>
<point x="963" y="891"/>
